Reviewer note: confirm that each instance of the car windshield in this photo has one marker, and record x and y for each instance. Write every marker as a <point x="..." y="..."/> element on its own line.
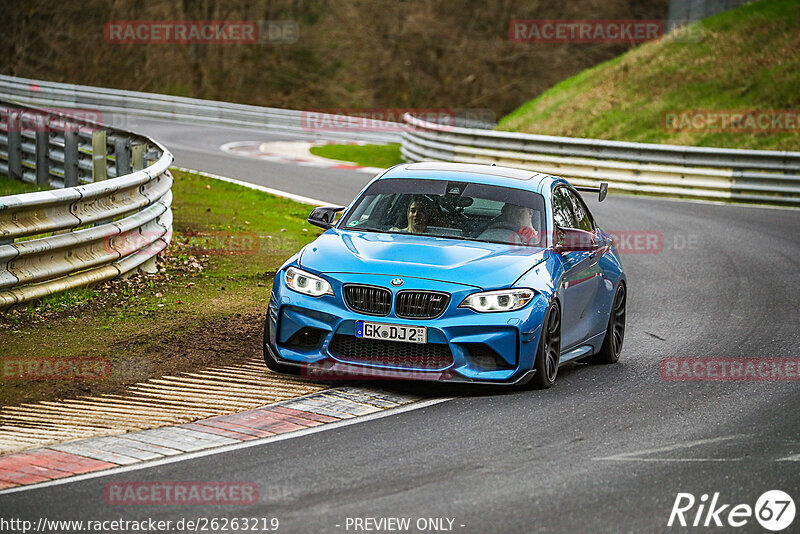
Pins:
<point x="450" y="209"/>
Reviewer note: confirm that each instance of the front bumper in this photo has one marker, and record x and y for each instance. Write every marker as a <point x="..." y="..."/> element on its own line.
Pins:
<point x="493" y="348"/>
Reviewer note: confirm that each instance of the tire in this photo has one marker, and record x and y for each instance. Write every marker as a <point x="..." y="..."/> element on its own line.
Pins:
<point x="269" y="358"/>
<point x="549" y="352"/>
<point x="615" y="333"/>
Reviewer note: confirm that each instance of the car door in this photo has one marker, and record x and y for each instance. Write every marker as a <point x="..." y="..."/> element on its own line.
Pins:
<point x="581" y="280"/>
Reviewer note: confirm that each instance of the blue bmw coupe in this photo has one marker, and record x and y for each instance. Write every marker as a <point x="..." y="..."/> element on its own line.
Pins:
<point x="451" y="272"/>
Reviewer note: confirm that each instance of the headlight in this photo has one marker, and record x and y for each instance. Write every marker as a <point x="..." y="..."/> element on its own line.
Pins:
<point x="306" y="283"/>
<point x="498" y="301"/>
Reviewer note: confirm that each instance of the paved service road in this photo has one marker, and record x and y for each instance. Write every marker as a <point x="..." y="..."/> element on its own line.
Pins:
<point x="607" y="449"/>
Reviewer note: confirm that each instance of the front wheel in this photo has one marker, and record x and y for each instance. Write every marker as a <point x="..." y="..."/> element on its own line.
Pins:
<point x="615" y="333"/>
<point x="549" y="352"/>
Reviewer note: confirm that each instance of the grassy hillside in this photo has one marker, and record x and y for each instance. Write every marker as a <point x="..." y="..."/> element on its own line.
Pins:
<point x="745" y="59"/>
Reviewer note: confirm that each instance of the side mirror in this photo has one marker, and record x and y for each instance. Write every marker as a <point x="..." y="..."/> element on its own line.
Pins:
<point x="325" y="216"/>
<point x="574" y="240"/>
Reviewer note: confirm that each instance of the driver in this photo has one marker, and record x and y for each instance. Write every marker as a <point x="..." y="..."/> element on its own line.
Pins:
<point x="419" y="213"/>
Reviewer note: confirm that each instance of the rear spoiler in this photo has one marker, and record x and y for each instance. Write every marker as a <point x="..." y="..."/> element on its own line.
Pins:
<point x="602" y="191"/>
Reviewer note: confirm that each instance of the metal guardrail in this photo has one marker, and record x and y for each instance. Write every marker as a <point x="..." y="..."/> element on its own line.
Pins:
<point x="756" y="176"/>
<point x="150" y="105"/>
<point x="109" y="214"/>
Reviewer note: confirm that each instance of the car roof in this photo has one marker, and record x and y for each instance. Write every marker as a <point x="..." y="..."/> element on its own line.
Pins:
<point x="473" y="172"/>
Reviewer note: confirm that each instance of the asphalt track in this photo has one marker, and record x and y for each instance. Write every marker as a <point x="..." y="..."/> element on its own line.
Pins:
<point x="607" y="449"/>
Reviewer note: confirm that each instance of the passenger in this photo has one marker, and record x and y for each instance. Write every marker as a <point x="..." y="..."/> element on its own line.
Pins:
<point x="513" y="226"/>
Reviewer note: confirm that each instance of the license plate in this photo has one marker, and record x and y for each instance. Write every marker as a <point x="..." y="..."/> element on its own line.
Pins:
<point x="392" y="332"/>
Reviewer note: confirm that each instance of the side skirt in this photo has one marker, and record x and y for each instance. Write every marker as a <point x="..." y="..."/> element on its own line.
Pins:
<point x="587" y="348"/>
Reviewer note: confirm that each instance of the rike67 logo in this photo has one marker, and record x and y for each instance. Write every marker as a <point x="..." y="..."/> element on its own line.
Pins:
<point x="774" y="510"/>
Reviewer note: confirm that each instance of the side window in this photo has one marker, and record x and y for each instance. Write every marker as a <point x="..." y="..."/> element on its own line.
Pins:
<point x="562" y="209"/>
<point x="582" y="217"/>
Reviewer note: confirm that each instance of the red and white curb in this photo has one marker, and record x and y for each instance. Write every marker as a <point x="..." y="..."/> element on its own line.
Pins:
<point x="293" y="152"/>
<point x="86" y="456"/>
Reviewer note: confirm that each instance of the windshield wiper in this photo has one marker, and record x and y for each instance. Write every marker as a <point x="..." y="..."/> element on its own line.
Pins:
<point x="459" y="238"/>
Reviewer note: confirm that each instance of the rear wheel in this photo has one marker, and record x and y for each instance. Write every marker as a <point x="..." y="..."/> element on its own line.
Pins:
<point x="549" y="353"/>
<point x="615" y="333"/>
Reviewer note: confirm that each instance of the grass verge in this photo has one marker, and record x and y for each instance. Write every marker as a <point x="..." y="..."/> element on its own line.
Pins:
<point x="381" y="156"/>
<point x="205" y="307"/>
<point x="17" y="187"/>
<point x="743" y="59"/>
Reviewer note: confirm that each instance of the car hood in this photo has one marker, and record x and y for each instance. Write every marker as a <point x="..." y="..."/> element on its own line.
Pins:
<point x="483" y="265"/>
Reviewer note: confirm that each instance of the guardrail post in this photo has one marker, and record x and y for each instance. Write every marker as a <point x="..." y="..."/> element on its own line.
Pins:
<point x="14" y="146"/>
<point x="70" y="156"/>
<point x="122" y="156"/>
<point x="42" y="150"/>
<point x="149" y="266"/>
<point x="150" y="156"/>
<point x="137" y="156"/>
<point x="99" y="153"/>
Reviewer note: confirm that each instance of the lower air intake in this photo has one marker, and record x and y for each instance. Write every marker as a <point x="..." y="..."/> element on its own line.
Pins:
<point x="395" y="354"/>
